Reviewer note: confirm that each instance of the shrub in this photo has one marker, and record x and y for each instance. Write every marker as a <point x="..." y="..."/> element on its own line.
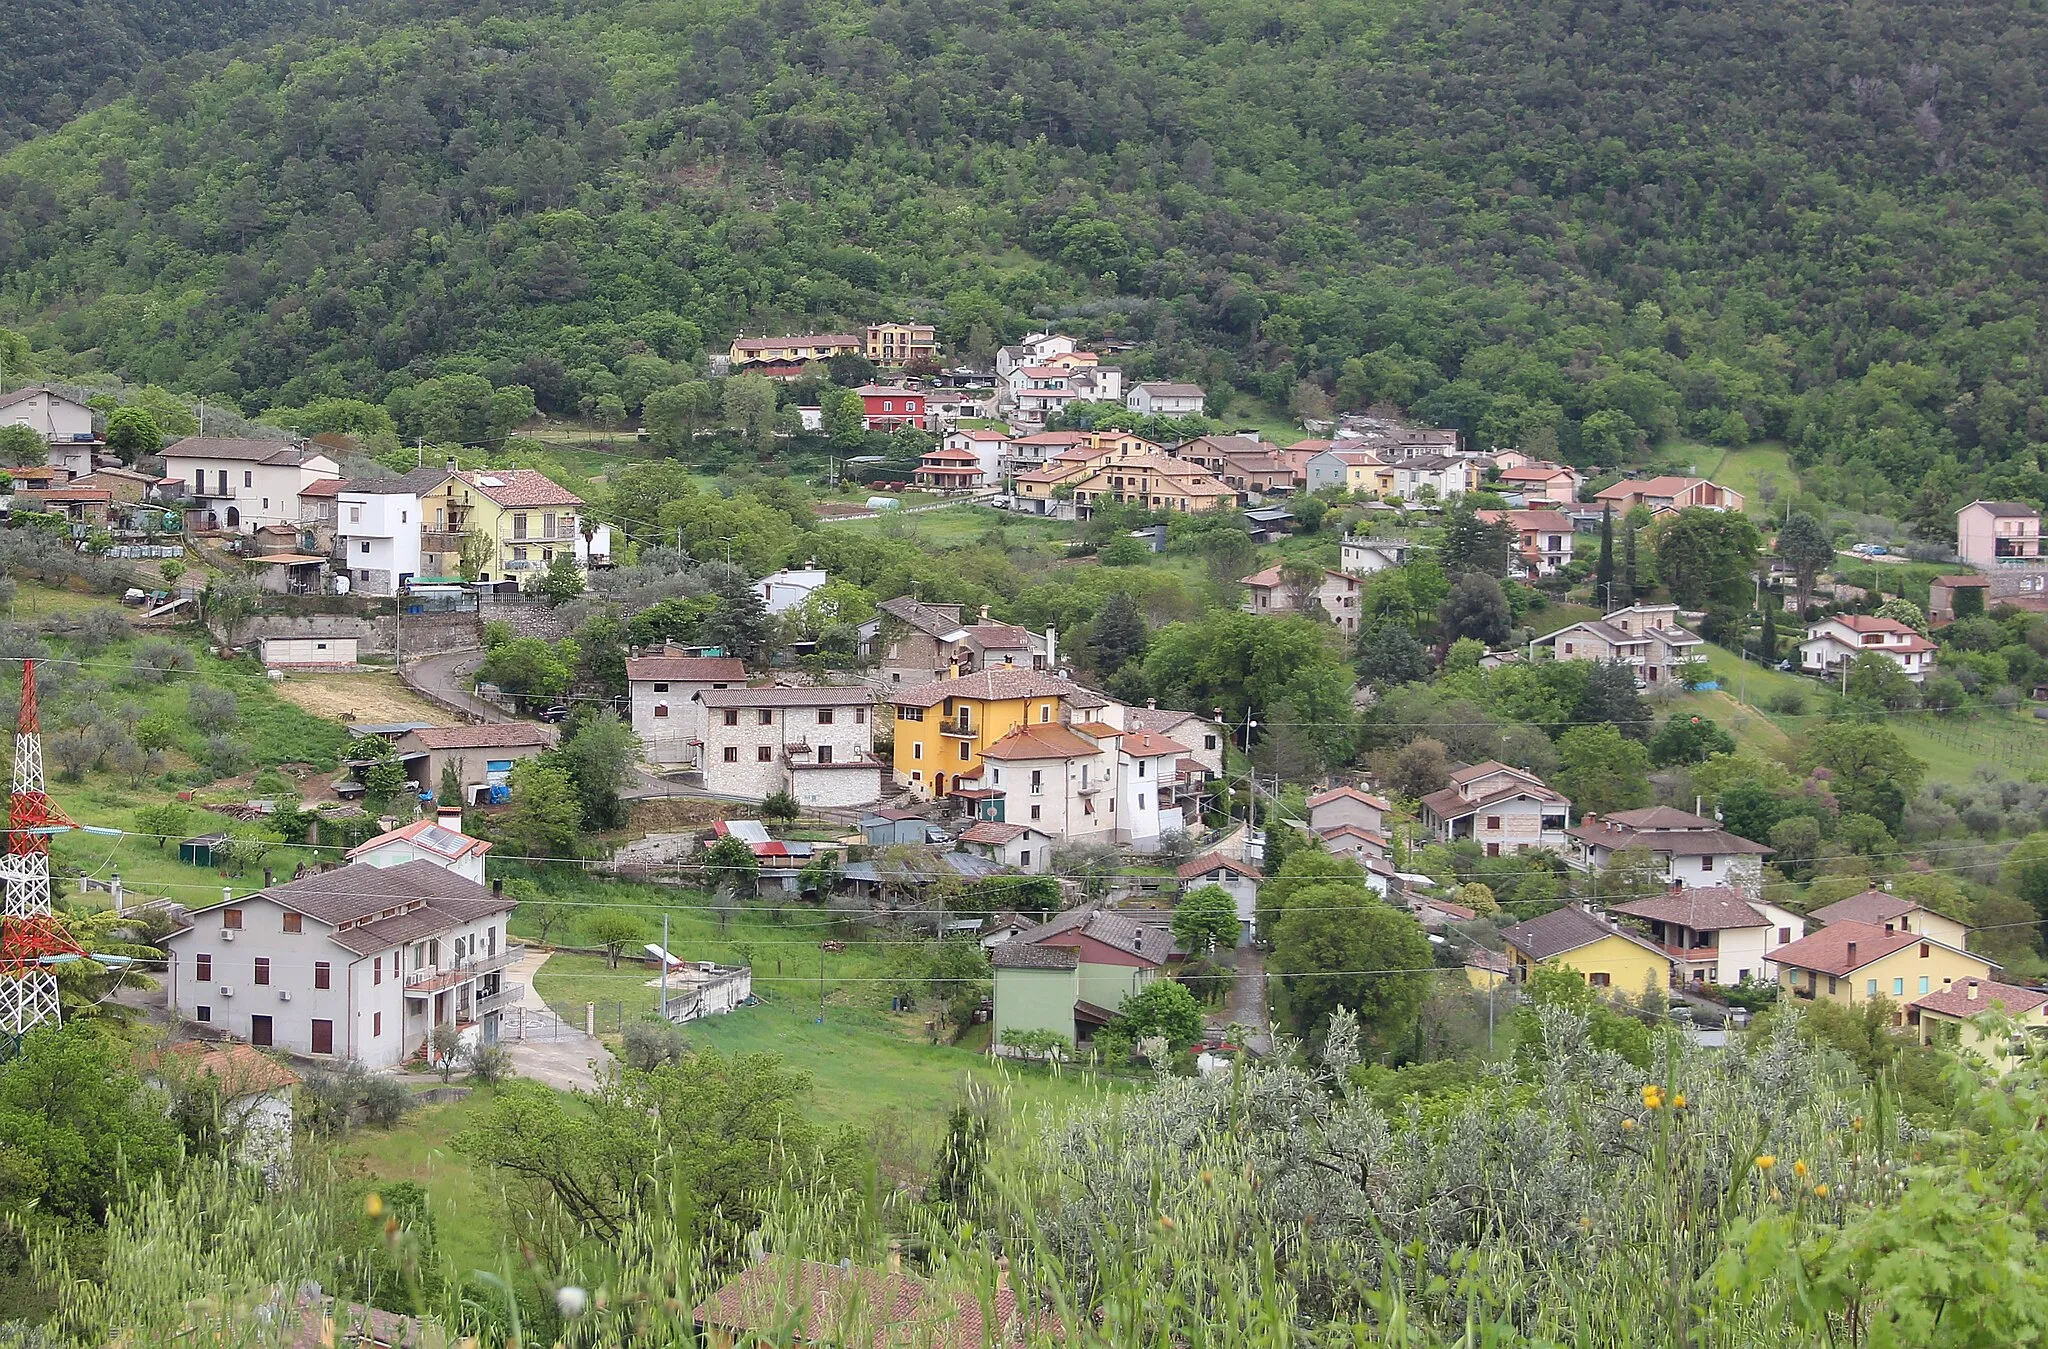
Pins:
<point x="1787" y="702"/>
<point x="490" y="1064"/>
<point x="652" y="1042"/>
<point x="211" y="708"/>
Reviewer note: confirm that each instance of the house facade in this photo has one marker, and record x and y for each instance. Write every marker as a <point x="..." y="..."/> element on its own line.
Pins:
<point x="884" y="407"/>
<point x="1538" y="481"/>
<point x="1542" y="539"/>
<point x="1070" y="975"/>
<point x="1855" y="963"/>
<point x="1338" y="593"/>
<point x="1055" y="779"/>
<point x="785" y="357"/>
<point x="521" y="519"/>
<point x="1434" y="477"/>
<point x="1836" y="642"/>
<point x="1998" y="533"/>
<point x="240" y="485"/>
<point x="1340" y="806"/>
<point x="1154" y="481"/>
<point x="439" y="841"/>
<point x="1503" y="809"/>
<point x="1668" y="493"/>
<point x="1020" y="847"/>
<point x="893" y="345"/>
<point x="816" y="743"/>
<point x="361" y="963"/>
<point x="661" y="692"/>
<point x="483" y="756"/>
<point x="1237" y="878"/>
<point x="1948" y="1018"/>
<point x="1605" y="955"/>
<point x="65" y="424"/>
<point x="1644" y="637"/>
<point x="1362" y="555"/>
<point x="949" y="470"/>
<point x="377" y="532"/>
<point x="1690" y="851"/>
<point x="1897" y="913"/>
<point x="1156" y="399"/>
<point x="1716" y="936"/>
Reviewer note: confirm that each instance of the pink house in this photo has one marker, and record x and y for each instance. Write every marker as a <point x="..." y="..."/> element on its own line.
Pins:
<point x="1995" y="533"/>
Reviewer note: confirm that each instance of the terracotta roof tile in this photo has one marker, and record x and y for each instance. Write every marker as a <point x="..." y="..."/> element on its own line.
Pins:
<point x="1828" y="949"/>
<point x="1955" y="1000"/>
<point x="519" y="487"/>
<point x="1209" y="862"/>
<point x="1710" y="908"/>
<point x="688" y="669"/>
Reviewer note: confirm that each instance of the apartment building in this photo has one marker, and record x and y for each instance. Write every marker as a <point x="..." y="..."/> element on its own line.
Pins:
<point x="1688" y="850"/>
<point x="817" y="743"/>
<point x="241" y="485"/>
<point x="893" y="345"/>
<point x="519" y="519"/>
<point x="1644" y="637"/>
<point x="1165" y="399"/>
<point x="361" y="962"/>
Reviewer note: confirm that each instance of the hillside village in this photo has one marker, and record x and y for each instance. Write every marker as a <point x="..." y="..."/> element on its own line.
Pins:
<point x="1180" y="749"/>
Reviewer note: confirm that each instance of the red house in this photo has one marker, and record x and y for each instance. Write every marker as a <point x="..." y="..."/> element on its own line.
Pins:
<point x="887" y="407"/>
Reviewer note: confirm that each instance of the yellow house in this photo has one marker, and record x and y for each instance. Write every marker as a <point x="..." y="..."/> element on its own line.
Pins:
<point x="1945" y="1018"/>
<point x="1609" y="957"/>
<point x="1486" y="970"/>
<point x="1045" y="483"/>
<point x="1121" y="442"/>
<point x="518" y="517"/>
<point x="1861" y="962"/>
<point x="1157" y="482"/>
<point x="942" y="727"/>
<point x="897" y="344"/>
<point x="783" y="350"/>
<point x="1882" y="908"/>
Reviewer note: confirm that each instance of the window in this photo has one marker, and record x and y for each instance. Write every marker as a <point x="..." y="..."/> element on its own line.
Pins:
<point x="1898" y="988"/>
<point x="202" y="969"/>
<point x="1035" y="811"/>
<point x="1923" y="983"/>
<point x="294" y="922"/>
<point x="376" y="1024"/>
<point x="355" y="515"/>
<point x="824" y="716"/>
<point x="732" y="753"/>
<point x="860" y="716"/>
<point x="661" y="688"/>
<point x="323" y="1036"/>
<point x="519" y="555"/>
<point x="377" y="970"/>
<point x="732" y="717"/>
<point x="248" y="478"/>
<point x="965" y="750"/>
<point x="1784" y="935"/>
<point x="764" y="754"/>
<point x="1493" y="822"/>
<point x="203" y="1012"/>
<point x="1601" y="980"/>
<point x="547" y="524"/>
<point x="917" y="777"/>
<point x="888" y="405"/>
<point x="323" y="974"/>
<point x="518" y="526"/>
<point x="231" y="919"/>
<point x="1045" y="712"/>
<point x="262" y="969"/>
<point x="1870" y="988"/>
<point x="1141" y="800"/>
<point x="1925" y="951"/>
<point x="1024" y="858"/>
<point x="661" y="709"/>
<point x="765" y="717"/>
<point x="1831" y="983"/>
<point x="1208" y="742"/>
<point x="824" y="754"/>
<point x="1493" y="850"/>
<point x="1037" y="781"/>
<point x="1144" y="765"/>
<point x="910" y="714"/>
<point x="916" y="750"/>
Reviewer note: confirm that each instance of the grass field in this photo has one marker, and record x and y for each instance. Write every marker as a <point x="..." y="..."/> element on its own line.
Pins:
<point x="1907" y="579"/>
<point x="1747" y="471"/>
<point x="465" y="1204"/>
<point x="955" y="526"/>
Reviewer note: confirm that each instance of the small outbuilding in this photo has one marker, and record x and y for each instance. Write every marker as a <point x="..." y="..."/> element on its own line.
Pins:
<point x="308" y="653"/>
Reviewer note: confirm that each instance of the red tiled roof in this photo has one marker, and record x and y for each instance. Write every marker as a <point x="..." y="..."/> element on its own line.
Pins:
<point x="463" y="845"/>
<point x="519" y="487"/>
<point x="1146" y="744"/>
<point x="1828" y="949"/>
<point x="689" y="669"/>
<point x="1707" y="908"/>
<point x="325" y="487"/>
<point x="1955" y="1000"/>
<point x="240" y="1069"/>
<point x="807" y="340"/>
<point x="1348" y="793"/>
<point x="1041" y="742"/>
<point x="994" y="685"/>
<point x="1209" y="862"/>
<point x="993" y="831"/>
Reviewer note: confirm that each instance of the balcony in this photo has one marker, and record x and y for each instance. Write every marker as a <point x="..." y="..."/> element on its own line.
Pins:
<point x="440" y="541"/>
<point x="433" y="978"/>
<point x="508" y="995"/>
<point x="959" y="730"/>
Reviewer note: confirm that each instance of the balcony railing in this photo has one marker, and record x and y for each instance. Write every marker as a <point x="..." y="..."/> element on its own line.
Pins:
<point x="507" y="995"/>
<point x="958" y="729"/>
<point x="440" y="541"/>
<point x="431" y="978"/>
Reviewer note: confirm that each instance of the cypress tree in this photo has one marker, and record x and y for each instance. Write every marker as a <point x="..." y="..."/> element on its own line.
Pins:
<point x="1769" y="641"/>
<point x="1628" y="565"/>
<point x="1603" y="575"/>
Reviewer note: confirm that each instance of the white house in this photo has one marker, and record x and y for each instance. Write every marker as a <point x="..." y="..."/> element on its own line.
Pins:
<point x="1204" y="737"/>
<point x="1056" y="780"/>
<point x="1098" y="384"/>
<point x="1433" y="476"/>
<point x="1021" y="847"/>
<point x="1716" y="936"/>
<point x="439" y="841"/>
<point x="1239" y="879"/>
<point x="1035" y="349"/>
<point x="784" y="590"/>
<point x="308" y="653"/>
<point x="1834" y="642"/>
<point x="361" y="963"/>
<point x="241" y="485"/>
<point x="1686" y="849"/>
<point x="1644" y="637"/>
<point x="816" y="743"/>
<point x="64" y="423"/>
<point x="1341" y="806"/>
<point x="1035" y="392"/>
<point x="1165" y="400"/>
<point x="1146" y="774"/>
<point x="1336" y="592"/>
<point x="989" y="449"/>
<point x="1503" y="809"/>
<point x="253" y="1092"/>
<point x="377" y="531"/>
<point x="1362" y="556"/>
<point x="660" y="691"/>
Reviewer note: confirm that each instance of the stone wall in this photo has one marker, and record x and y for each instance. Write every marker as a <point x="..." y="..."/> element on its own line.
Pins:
<point x="526" y="617"/>
<point x="423" y="634"/>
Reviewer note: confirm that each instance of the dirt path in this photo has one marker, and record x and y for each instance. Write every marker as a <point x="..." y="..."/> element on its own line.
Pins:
<point x="375" y="697"/>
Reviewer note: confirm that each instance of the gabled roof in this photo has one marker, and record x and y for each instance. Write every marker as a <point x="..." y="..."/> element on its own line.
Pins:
<point x="687" y="669"/>
<point x="929" y="619"/>
<point x="828" y="695"/>
<point x="1710" y="908"/>
<point x="1209" y="862"/>
<point x="427" y="898"/>
<point x="1565" y="930"/>
<point x="518" y="487"/>
<point x="1148" y="744"/>
<point x="1171" y="390"/>
<point x="429" y="834"/>
<point x="1955" y="1000"/>
<point x="327" y="487"/>
<point x="1335" y="794"/>
<point x="1270" y="577"/>
<point x="1828" y="949"/>
<point x="240" y="1070"/>
<point x="887" y="391"/>
<point x="1021" y="955"/>
<point x="1149" y="941"/>
<point x="284" y="453"/>
<point x="2007" y="508"/>
<point x="1049" y="741"/>
<point x="1662" y="829"/>
<point x="996" y="832"/>
<point x="22" y="395"/>
<point x="1665" y="485"/>
<point x="1876" y="907"/>
<point x="490" y="735"/>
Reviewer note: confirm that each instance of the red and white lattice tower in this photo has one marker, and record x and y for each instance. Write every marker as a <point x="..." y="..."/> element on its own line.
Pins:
<point x="29" y="935"/>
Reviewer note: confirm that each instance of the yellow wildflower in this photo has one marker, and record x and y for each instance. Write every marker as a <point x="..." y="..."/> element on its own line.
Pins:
<point x="1628" y="1125"/>
<point x="1678" y="1101"/>
<point x="1821" y="1191"/>
<point x="1766" y="1162"/>
<point x="1653" y="1096"/>
<point x="1799" y="1169"/>
<point x="373" y="1204"/>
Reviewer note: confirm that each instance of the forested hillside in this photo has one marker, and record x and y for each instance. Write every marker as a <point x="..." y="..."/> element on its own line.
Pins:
<point x="1603" y="221"/>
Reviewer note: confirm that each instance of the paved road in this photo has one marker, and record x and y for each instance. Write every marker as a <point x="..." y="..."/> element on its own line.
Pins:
<point x="551" y="1050"/>
<point x="446" y="676"/>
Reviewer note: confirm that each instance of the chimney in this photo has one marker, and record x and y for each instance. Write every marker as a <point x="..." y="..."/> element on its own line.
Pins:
<point x="1852" y="955"/>
<point x="451" y="463"/>
<point x="1151" y="704"/>
<point x="984" y="613"/>
<point x="227" y="893"/>
<point x="266" y="878"/>
<point x="498" y="887"/>
<point x="895" y="1257"/>
<point x="449" y="817"/>
<point x="1052" y="647"/>
<point x="1972" y="994"/>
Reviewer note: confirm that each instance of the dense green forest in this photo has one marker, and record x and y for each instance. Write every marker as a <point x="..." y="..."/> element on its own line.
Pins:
<point x="1600" y="223"/>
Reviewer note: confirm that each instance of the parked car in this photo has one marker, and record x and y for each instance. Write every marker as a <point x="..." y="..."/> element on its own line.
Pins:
<point x="553" y="714"/>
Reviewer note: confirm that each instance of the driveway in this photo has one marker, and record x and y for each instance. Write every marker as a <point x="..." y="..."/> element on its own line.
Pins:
<point x="543" y="1046"/>
<point x="447" y="676"/>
